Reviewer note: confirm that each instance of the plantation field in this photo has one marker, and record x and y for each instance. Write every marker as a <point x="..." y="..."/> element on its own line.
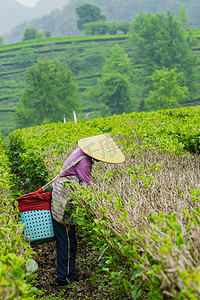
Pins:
<point x="138" y="221"/>
<point x="89" y="50"/>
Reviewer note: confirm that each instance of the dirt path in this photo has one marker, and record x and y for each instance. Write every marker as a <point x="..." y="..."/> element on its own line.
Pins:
<point x="87" y="281"/>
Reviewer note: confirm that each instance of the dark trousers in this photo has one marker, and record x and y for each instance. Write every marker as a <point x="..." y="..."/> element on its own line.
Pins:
<point x="66" y="252"/>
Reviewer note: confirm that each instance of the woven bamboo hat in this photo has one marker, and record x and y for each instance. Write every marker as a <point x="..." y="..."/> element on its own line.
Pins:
<point x="102" y="147"/>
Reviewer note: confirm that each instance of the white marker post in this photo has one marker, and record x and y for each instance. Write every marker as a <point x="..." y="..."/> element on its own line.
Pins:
<point x="75" y="120"/>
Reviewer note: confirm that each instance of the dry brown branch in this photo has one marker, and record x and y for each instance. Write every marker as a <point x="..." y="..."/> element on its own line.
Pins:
<point x="151" y="182"/>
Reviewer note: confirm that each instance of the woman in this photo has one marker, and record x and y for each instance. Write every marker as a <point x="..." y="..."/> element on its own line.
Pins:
<point x="101" y="147"/>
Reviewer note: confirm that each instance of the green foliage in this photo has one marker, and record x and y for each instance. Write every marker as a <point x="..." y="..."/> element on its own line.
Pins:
<point x="14" y="281"/>
<point x="112" y="27"/>
<point x="117" y="61"/>
<point x="140" y="251"/>
<point x="159" y="41"/>
<point x="25" y="55"/>
<point x="31" y="34"/>
<point x="102" y="27"/>
<point x="124" y="26"/>
<point x="114" y="91"/>
<point x="14" y="251"/>
<point x="49" y="95"/>
<point x="47" y="33"/>
<point x="54" y="40"/>
<point x="183" y="17"/>
<point x="25" y="164"/>
<point x="173" y="130"/>
<point x="95" y="28"/>
<point x="157" y="247"/>
<point x="88" y="13"/>
<point x="72" y="59"/>
<point x="5" y="177"/>
<point x="167" y="90"/>
<point x="161" y="242"/>
<point x="85" y="62"/>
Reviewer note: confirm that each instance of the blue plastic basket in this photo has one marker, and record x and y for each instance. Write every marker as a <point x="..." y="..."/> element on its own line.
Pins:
<point x="39" y="226"/>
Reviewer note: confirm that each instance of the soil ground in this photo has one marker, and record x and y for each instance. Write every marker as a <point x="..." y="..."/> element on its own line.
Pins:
<point x="87" y="283"/>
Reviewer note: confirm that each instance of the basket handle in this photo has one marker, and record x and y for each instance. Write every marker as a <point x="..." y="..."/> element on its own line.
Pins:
<point x="64" y="171"/>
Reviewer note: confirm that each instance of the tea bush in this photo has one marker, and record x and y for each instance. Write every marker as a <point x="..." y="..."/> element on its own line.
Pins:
<point x="148" y="212"/>
<point x="141" y="216"/>
<point x="14" y="251"/>
<point x="37" y="149"/>
<point x="26" y="164"/>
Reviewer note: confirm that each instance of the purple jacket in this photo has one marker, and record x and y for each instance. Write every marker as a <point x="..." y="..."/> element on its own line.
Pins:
<point x="83" y="168"/>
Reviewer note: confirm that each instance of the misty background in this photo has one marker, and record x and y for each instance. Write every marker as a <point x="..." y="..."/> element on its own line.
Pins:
<point x="60" y="18"/>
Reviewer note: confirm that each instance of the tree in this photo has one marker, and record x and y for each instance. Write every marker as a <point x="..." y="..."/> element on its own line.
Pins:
<point x="102" y="27"/>
<point x="47" y="33"/>
<point x="112" y="27"/>
<point x="167" y="90"/>
<point x="159" y="41"/>
<point x="25" y="55"/>
<point x="49" y="94"/>
<point x="98" y="28"/>
<point x="72" y="59"/>
<point x="124" y="26"/>
<point x="114" y="91"/>
<point x="117" y="61"/>
<point x="90" y="28"/>
<point x="88" y="13"/>
<point x="184" y="18"/>
<point x="31" y="34"/>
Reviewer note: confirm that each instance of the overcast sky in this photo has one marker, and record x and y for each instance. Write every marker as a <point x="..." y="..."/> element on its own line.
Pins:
<point x="28" y="2"/>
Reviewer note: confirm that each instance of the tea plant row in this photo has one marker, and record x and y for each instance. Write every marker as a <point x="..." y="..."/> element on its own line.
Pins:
<point x="14" y="251"/>
<point x="41" y="150"/>
<point x="142" y="216"/>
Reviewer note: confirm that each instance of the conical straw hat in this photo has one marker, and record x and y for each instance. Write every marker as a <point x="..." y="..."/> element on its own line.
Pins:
<point x="102" y="147"/>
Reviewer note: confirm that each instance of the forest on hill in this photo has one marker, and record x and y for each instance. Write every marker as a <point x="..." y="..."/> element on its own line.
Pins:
<point x="107" y="74"/>
<point x="63" y="22"/>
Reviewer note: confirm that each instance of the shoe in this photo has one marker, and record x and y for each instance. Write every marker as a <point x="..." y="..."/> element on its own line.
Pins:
<point x="66" y="286"/>
<point x="62" y="287"/>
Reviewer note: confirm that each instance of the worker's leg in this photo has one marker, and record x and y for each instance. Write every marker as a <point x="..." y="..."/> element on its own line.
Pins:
<point x="66" y="252"/>
<point x="73" y="251"/>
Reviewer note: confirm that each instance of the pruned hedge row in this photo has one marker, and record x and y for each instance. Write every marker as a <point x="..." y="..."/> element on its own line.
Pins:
<point x="141" y="216"/>
<point x="14" y="252"/>
<point x="148" y="213"/>
<point x="59" y="41"/>
<point x="41" y="150"/>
